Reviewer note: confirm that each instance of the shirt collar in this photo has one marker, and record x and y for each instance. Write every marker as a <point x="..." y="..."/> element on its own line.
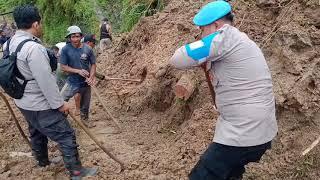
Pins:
<point x="224" y="27"/>
<point x="27" y="34"/>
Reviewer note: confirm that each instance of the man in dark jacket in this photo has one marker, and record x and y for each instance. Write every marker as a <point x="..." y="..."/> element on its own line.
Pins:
<point x="105" y="35"/>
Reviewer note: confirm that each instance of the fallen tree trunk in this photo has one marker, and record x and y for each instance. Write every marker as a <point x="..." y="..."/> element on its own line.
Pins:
<point x="185" y="86"/>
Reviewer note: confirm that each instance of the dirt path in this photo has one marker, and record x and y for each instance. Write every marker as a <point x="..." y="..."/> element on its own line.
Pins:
<point x="147" y="153"/>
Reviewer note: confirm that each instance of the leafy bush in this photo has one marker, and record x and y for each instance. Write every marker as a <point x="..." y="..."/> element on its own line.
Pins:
<point x="124" y="14"/>
<point x="57" y="15"/>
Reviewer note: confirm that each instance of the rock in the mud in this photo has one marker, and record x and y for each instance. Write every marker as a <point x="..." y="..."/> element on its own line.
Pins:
<point x="3" y="167"/>
<point x="315" y="36"/>
<point x="313" y="14"/>
<point x="93" y="112"/>
<point x="5" y="175"/>
<point x="134" y="70"/>
<point x="57" y="160"/>
<point x="266" y="3"/>
<point x="93" y="148"/>
<point x="161" y="71"/>
<point x="159" y="177"/>
<point x="141" y="142"/>
<point x="134" y="166"/>
<point x="183" y="28"/>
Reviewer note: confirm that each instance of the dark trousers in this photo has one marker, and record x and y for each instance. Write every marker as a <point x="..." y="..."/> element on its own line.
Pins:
<point x="85" y="93"/>
<point x="221" y="162"/>
<point x="54" y="125"/>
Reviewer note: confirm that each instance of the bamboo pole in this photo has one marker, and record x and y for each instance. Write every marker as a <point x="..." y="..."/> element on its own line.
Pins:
<point x="15" y="119"/>
<point x="96" y="92"/>
<point x="313" y="145"/>
<point x="80" y="123"/>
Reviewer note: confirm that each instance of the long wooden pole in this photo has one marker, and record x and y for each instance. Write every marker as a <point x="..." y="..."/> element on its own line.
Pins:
<point x="96" y="92"/>
<point x="15" y="119"/>
<point x="313" y="145"/>
<point x="123" y="79"/>
<point x="80" y="123"/>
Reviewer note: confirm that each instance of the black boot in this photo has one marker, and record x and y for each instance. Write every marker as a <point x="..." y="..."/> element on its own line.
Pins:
<point x="73" y="165"/>
<point x="42" y="157"/>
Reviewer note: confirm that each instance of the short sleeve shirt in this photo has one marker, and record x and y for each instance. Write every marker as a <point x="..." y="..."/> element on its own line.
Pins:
<point x="78" y="58"/>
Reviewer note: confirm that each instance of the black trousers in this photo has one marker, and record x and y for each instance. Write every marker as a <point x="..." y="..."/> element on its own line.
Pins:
<point x="221" y="162"/>
<point x="50" y="124"/>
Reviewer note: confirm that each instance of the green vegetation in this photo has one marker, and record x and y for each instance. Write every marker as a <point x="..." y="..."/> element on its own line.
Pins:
<point x="58" y="15"/>
<point x="133" y="10"/>
<point x="124" y="14"/>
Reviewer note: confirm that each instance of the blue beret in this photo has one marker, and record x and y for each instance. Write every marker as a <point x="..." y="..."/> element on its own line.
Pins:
<point x="212" y="12"/>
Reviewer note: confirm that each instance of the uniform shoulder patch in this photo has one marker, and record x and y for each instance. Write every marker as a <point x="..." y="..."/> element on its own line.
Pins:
<point x="200" y="49"/>
<point x="196" y="45"/>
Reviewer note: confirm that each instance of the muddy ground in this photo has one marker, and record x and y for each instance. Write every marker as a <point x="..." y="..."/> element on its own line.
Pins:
<point x="163" y="137"/>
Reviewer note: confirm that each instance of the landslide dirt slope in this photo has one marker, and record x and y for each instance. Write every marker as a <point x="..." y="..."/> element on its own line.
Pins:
<point x="164" y="137"/>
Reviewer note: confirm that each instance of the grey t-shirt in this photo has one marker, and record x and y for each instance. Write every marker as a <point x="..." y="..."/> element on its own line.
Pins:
<point x="78" y="58"/>
<point x="243" y="88"/>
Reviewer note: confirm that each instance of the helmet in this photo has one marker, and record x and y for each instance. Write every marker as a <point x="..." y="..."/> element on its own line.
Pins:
<point x="60" y="45"/>
<point x="211" y="12"/>
<point x="73" y="30"/>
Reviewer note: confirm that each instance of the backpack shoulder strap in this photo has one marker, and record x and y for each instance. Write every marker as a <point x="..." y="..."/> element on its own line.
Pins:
<point x="21" y="45"/>
<point x="6" y="52"/>
<point x="8" y="43"/>
<point x="18" y="73"/>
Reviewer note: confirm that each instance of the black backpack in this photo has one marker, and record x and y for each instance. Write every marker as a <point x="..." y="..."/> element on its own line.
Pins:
<point x="53" y="60"/>
<point x="9" y="73"/>
<point x="6" y="52"/>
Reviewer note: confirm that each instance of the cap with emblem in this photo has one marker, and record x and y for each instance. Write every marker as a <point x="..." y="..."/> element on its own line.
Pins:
<point x="212" y="12"/>
<point x="73" y="30"/>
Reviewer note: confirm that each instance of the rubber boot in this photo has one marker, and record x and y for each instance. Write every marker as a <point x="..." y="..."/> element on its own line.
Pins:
<point x="73" y="165"/>
<point x="42" y="157"/>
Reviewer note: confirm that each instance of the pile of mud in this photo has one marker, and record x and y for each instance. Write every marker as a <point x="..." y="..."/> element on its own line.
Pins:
<point x="164" y="136"/>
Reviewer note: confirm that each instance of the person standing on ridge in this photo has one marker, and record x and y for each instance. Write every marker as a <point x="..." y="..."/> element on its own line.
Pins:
<point x="105" y="35"/>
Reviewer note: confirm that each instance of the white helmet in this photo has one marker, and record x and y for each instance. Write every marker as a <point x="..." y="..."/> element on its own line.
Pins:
<point x="60" y="45"/>
<point x="73" y="30"/>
